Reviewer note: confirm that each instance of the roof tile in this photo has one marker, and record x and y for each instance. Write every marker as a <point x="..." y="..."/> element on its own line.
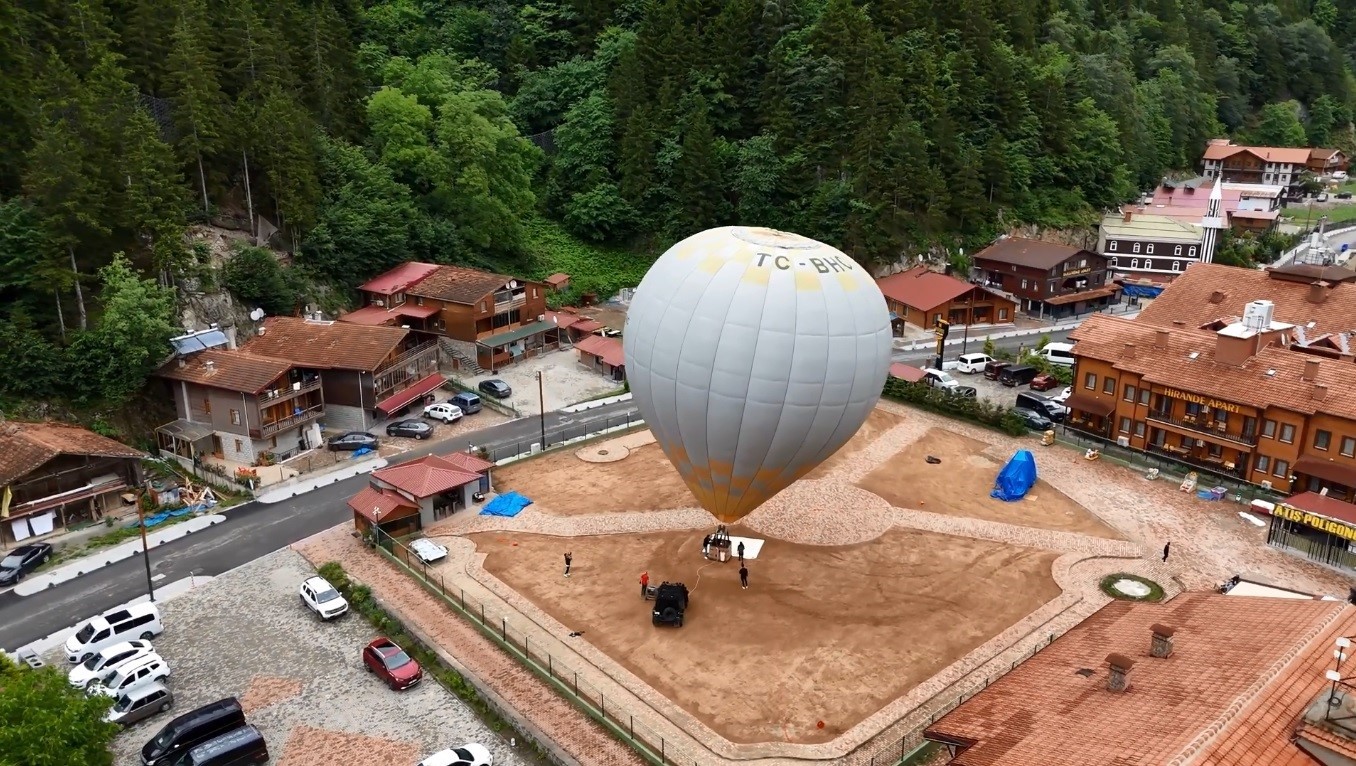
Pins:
<point x="458" y="284"/>
<point x="25" y="447"/>
<point x="402" y="277"/>
<point x="327" y="345"/>
<point x="1035" y="253"/>
<point x="922" y="288"/>
<point x="426" y="477"/>
<point x="229" y="369"/>
<point x="1190" y="299"/>
<point x="607" y="349"/>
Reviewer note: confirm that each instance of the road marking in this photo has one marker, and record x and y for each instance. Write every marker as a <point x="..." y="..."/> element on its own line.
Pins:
<point x="158" y="578"/>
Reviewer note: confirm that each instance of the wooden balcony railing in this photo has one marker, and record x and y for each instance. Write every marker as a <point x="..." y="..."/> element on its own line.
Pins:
<point x="1208" y="427"/>
<point x="266" y="430"/>
<point x="289" y="391"/>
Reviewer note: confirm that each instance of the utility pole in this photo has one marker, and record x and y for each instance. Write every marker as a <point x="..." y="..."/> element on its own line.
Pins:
<point x="145" y="547"/>
<point x="541" y="399"/>
<point x="940" y="328"/>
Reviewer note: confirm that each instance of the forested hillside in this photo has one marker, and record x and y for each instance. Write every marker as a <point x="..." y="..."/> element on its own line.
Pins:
<point x="373" y="133"/>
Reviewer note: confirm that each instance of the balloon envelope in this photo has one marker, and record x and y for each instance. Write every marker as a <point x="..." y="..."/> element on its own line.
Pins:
<point x="754" y="355"/>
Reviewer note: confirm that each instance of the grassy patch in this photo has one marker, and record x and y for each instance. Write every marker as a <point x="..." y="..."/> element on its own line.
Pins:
<point x="1337" y="214"/>
<point x="592" y="268"/>
<point x="1108" y="587"/>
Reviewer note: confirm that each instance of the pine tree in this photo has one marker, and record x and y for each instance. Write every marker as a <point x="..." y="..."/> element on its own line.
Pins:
<point x="194" y="91"/>
<point x="155" y="197"/>
<point x="146" y="33"/>
<point x="699" y="185"/>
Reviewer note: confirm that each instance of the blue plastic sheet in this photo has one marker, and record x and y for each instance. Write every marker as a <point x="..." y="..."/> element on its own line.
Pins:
<point x="1016" y="478"/>
<point x="507" y="504"/>
<point x="164" y="516"/>
<point x="1140" y="291"/>
<point x="361" y="452"/>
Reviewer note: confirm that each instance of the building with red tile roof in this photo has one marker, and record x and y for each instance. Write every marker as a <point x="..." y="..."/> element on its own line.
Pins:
<point x="1277" y="165"/>
<point x="603" y="355"/>
<point x="920" y="296"/>
<point x="906" y="373"/>
<point x="398" y="280"/>
<point x="379" y="506"/>
<point x="1047" y="279"/>
<point x="436" y="485"/>
<point x="1202" y="679"/>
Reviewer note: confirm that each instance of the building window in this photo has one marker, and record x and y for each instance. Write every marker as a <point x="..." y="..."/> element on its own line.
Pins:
<point x="1023" y="284"/>
<point x="1191" y="251"/>
<point x="1287" y="433"/>
<point x="1149" y="264"/>
<point x="1221" y="416"/>
<point x="1125" y="425"/>
<point x="238" y="447"/>
<point x="1090" y="381"/>
<point x="1082" y="262"/>
<point x="1322" y="440"/>
<point x="1263" y="463"/>
<point x="1002" y="314"/>
<point x="1177" y="250"/>
<point x="1348" y="446"/>
<point x="534" y="292"/>
<point x="1139" y="430"/>
<point x="1269" y="429"/>
<point x="398" y="299"/>
<point x="1149" y="248"/>
<point x="1113" y="261"/>
<point x="235" y="417"/>
<point x="1129" y="393"/>
<point x="1144" y="396"/>
<point x="1216" y="451"/>
<point x="207" y="406"/>
<point x="1111" y="246"/>
<point x="1249" y="426"/>
<point x="1136" y="247"/>
<point x="482" y="305"/>
<point x="1109" y="386"/>
<point x="1176" y="265"/>
<point x="1134" y="263"/>
<point x="1282" y="469"/>
<point x="418" y="300"/>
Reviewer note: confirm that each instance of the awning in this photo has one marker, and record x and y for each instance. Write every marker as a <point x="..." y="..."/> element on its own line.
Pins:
<point x="418" y="312"/>
<point x="905" y="372"/>
<point x="1327" y="470"/>
<point x="1090" y="404"/>
<point x="186" y="431"/>
<point x="526" y="331"/>
<point x="1086" y="295"/>
<point x="401" y="399"/>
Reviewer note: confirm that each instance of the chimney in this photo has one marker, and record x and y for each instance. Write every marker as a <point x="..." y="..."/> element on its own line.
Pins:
<point x="1217" y="296"/>
<point x="1129" y="351"/>
<point x="1127" y="217"/>
<point x="1320" y="392"/>
<point x="182" y="363"/>
<point x="1310" y="370"/>
<point x="209" y="365"/>
<point x="1318" y="292"/>
<point x="1119" y="679"/>
<point x="1160" y="645"/>
<point x="1161" y="339"/>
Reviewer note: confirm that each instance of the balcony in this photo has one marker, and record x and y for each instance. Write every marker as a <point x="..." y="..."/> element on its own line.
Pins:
<point x="504" y="302"/>
<point x="266" y="430"/>
<point x="1216" y="431"/>
<point x="1216" y="466"/>
<point x="289" y="391"/>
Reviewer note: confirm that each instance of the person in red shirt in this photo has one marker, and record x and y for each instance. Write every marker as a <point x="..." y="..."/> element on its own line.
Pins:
<point x="644" y="583"/>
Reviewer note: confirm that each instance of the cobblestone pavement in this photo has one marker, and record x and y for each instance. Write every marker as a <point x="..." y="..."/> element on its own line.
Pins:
<point x="1210" y="543"/>
<point x="247" y="635"/>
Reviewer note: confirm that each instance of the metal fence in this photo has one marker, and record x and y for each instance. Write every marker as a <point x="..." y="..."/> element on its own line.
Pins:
<point x="886" y="749"/>
<point x="555" y="436"/>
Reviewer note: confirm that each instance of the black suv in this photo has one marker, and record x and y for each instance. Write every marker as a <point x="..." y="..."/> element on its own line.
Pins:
<point x="23" y="560"/>
<point x="670" y="601"/>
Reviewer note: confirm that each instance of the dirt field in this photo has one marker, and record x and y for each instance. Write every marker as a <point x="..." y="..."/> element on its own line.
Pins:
<point x="877" y="423"/>
<point x="960" y="486"/>
<point x="826" y="634"/>
<point x="562" y="484"/>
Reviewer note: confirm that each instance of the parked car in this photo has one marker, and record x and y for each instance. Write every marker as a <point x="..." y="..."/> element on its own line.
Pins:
<point x="1042" y="405"/>
<point x="938" y="379"/>
<point x="113" y="627"/>
<point x="1044" y="382"/>
<point x="354" y="440"/>
<point x="496" y="388"/>
<point x="129" y="675"/>
<point x="392" y="664"/>
<point x="410" y="429"/>
<point x="241" y="746"/>
<point x="1018" y="376"/>
<point x="1344" y="195"/>
<point x="448" y="413"/>
<point x="964" y="392"/>
<point x="322" y="598"/>
<point x="191" y="729"/>
<point x="467" y="402"/>
<point x="1062" y="396"/>
<point x="469" y="754"/>
<point x="972" y="363"/>
<point x="1057" y="353"/>
<point x="23" y="560"/>
<point x="87" y="672"/>
<point x="140" y="703"/>
<point x="1034" y="420"/>
<point x="995" y="368"/>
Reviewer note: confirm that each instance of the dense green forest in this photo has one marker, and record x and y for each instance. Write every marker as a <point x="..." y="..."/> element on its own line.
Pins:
<point x="507" y="134"/>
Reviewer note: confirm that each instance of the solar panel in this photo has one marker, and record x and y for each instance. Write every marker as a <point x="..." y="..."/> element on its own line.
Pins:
<point x="191" y="344"/>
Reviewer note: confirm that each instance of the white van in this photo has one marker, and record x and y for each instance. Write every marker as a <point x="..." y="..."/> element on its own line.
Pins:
<point x="130" y="675"/>
<point x="113" y="627"/>
<point x="1057" y="353"/>
<point x="972" y="363"/>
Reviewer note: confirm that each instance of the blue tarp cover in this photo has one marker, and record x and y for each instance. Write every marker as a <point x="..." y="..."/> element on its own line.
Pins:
<point x="361" y="452"/>
<point x="507" y="504"/>
<point x="1140" y="291"/>
<point x="164" y="516"/>
<point x="1016" y="478"/>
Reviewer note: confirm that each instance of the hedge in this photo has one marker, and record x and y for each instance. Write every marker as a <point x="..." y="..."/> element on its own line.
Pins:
<point x="976" y="410"/>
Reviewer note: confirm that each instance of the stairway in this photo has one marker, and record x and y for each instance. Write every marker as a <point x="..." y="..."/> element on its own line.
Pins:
<point x="464" y="353"/>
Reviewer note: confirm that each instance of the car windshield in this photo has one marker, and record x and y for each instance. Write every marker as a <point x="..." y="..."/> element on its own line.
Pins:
<point x="92" y="663"/>
<point x="463" y="754"/>
<point x="123" y="704"/>
<point x="394" y="658"/>
<point x="85" y="634"/>
<point x="11" y="562"/>
<point x="326" y="594"/>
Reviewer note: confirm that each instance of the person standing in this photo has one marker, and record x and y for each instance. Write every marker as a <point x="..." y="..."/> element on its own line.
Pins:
<point x="1166" y="548"/>
<point x="568" y="559"/>
<point x="743" y="577"/>
<point x="644" y="583"/>
<point x="706" y="545"/>
<point x="741" y="552"/>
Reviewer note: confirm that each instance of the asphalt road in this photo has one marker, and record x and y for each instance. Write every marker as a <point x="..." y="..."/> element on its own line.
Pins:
<point x="976" y="345"/>
<point x="250" y="531"/>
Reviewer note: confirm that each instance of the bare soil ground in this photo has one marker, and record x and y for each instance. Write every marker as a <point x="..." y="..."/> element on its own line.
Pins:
<point x="828" y="634"/>
<point x="560" y="483"/>
<point x="877" y="423"/>
<point x="960" y="486"/>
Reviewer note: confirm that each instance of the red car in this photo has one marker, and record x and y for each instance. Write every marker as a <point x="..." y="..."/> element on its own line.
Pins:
<point x="396" y="668"/>
<point x="1044" y="382"/>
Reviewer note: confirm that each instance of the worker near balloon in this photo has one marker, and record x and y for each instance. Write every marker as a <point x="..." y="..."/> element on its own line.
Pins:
<point x="754" y="355"/>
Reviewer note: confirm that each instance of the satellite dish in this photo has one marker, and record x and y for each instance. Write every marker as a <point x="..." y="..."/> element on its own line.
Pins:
<point x="513" y="284"/>
<point x="257" y="314"/>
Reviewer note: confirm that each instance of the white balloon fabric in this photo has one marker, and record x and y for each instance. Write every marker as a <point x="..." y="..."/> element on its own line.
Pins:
<point x="754" y="355"/>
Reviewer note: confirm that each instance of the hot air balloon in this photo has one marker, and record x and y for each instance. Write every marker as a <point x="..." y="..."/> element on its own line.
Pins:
<point x="754" y="355"/>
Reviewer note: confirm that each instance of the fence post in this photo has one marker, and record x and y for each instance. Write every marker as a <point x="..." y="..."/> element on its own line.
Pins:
<point x="632" y="726"/>
<point x="576" y="683"/>
<point x="503" y="628"/>
<point x="550" y="666"/>
<point x="602" y="705"/>
<point x="482" y="613"/>
<point x="527" y="646"/>
<point x="463" y="599"/>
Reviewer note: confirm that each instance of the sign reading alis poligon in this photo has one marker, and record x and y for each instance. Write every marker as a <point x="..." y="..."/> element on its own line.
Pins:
<point x="1213" y="404"/>
<point x="1322" y="523"/>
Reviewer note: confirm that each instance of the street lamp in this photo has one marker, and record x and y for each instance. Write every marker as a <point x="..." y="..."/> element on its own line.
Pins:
<point x="541" y="399"/>
<point x="145" y="547"/>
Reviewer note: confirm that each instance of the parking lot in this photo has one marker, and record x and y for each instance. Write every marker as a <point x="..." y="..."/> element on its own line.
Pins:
<point x="300" y="681"/>
<point x="564" y="382"/>
<point x="996" y="392"/>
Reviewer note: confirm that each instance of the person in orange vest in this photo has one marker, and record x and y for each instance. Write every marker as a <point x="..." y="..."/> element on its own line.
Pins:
<point x="644" y="583"/>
